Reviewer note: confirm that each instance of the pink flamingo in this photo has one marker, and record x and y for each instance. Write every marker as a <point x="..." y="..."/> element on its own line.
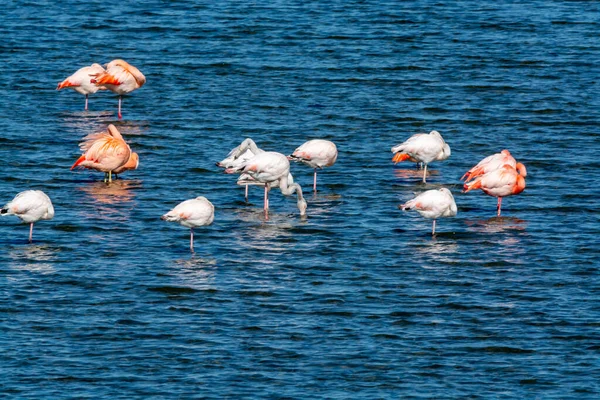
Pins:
<point x="271" y="168"/>
<point x="104" y="151"/>
<point x="192" y="214"/>
<point x="423" y="148"/>
<point x="433" y="204"/>
<point x="30" y="206"/>
<point x="316" y="153"/>
<point x="81" y="83"/>
<point x="489" y="164"/>
<point x="502" y="182"/>
<point x="121" y="78"/>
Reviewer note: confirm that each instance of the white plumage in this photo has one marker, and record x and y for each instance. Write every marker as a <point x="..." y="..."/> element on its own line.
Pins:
<point x="192" y="214"/>
<point x="424" y="148"/>
<point x="316" y="153"/>
<point x="433" y="204"/>
<point x="30" y="206"/>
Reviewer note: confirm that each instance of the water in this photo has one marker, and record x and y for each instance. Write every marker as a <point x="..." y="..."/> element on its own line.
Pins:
<point x="358" y="300"/>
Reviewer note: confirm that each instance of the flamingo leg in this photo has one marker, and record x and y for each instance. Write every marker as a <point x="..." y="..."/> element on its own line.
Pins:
<point x="266" y="201"/>
<point x="246" y="193"/>
<point x="425" y="174"/>
<point x="433" y="228"/>
<point x="86" y="102"/>
<point x="315" y="181"/>
<point x="31" y="232"/>
<point x="192" y="239"/>
<point x="109" y="176"/>
<point x="120" y="116"/>
<point x="499" y="205"/>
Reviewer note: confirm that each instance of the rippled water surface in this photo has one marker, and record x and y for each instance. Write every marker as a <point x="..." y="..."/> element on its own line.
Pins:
<point x="356" y="301"/>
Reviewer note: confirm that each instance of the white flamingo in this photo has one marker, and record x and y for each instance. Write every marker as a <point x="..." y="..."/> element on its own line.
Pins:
<point x="271" y="169"/>
<point x="424" y="148"/>
<point x="192" y="214"/>
<point x="434" y="204"/>
<point x="316" y="153"/>
<point x="30" y="206"/>
<point x="80" y="81"/>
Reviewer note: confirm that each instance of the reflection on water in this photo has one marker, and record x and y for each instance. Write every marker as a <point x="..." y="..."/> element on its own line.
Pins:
<point x="441" y="249"/>
<point x="109" y="198"/>
<point x="116" y="192"/>
<point x="196" y="272"/>
<point x="414" y="173"/>
<point x="34" y="258"/>
<point x="497" y="224"/>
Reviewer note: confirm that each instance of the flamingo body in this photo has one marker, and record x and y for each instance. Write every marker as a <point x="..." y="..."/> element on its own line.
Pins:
<point x="502" y="182"/>
<point x="271" y="169"/>
<point x="104" y="151"/>
<point x="424" y="148"/>
<point x="192" y="213"/>
<point x="489" y="164"/>
<point x="80" y="81"/>
<point x="316" y="153"/>
<point x="121" y="78"/>
<point x="30" y="206"/>
<point x="433" y="204"/>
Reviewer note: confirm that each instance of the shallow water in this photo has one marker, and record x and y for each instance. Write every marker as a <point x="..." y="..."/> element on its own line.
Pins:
<point x="356" y="301"/>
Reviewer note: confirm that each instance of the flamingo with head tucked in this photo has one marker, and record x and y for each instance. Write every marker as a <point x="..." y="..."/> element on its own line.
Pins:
<point x="271" y="168"/>
<point x="502" y="182"/>
<point x="433" y="204"/>
<point x="80" y="81"/>
<point x="489" y="164"/>
<point x="316" y="153"/>
<point x="104" y="151"/>
<point x="30" y="206"/>
<point x="424" y="148"/>
<point x="121" y="78"/>
<point x="192" y="214"/>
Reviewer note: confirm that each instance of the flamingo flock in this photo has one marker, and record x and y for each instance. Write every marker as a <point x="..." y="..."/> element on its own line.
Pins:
<point x="498" y="175"/>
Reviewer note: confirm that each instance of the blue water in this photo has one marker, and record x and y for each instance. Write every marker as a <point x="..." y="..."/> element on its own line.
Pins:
<point x="356" y="301"/>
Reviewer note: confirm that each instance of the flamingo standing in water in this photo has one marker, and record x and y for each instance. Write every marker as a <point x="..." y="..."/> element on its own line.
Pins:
<point x="192" y="214"/>
<point x="30" y="206"/>
<point x="502" y="182"/>
<point x="271" y="168"/>
<point x="80" y="81"/>
<point x="104" y="151"/>
<point x="433" y="204"/>
<point x="121" y="78"/>
<point x="316" y="153"/>
<point x="489" y="164"/>
<point x="423" y="148"/>
<point x="238" y="157"/>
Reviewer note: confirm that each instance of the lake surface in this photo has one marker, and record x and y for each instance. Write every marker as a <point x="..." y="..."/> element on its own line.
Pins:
<point x="355" y="301"/>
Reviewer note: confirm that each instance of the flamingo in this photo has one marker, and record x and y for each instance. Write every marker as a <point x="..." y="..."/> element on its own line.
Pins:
<point x="104" y="151"/>
<point x="30" y="206"/>
<point x="316" y="153"/>
<point x="271" y="168"/>
<point x="192" y="214"/>
<point x="502" y="182"/>
<point x="434" y="204"/>
<point x="489" y="164"/>
<point x="121" y="78"/>
<point x="238" y="157"/>
<point x="80" y="81"/>
<point x="424" y="148"/>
